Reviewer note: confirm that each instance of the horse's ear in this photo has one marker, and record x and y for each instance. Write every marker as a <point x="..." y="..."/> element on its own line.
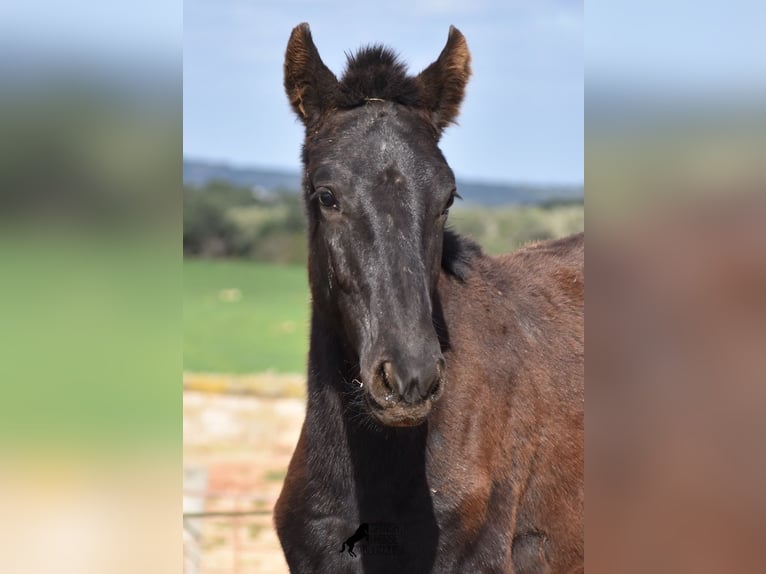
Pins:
<point x="443" y="82"/>
<point x="310" y="85"/>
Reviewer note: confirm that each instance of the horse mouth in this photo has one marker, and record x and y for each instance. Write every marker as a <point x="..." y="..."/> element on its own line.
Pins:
<point x="400" y="414"/>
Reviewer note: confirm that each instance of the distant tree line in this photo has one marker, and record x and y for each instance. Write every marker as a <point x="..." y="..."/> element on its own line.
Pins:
<point x="222" y="220"/>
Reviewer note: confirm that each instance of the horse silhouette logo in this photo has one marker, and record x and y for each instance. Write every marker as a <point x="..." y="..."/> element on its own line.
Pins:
<point x="361" y="533"/>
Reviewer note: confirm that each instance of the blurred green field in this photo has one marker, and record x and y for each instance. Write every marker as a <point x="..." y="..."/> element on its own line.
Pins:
<point x="244" y="317"/>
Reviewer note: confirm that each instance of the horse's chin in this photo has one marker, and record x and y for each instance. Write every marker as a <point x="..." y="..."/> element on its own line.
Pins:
<point x="401" y="414"/>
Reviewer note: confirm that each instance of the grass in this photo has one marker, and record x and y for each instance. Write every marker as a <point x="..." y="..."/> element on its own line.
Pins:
<point x="244" y="317"/>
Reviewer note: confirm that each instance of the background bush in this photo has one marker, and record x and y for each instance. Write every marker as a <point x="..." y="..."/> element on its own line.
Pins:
<point x="221" y="220"/>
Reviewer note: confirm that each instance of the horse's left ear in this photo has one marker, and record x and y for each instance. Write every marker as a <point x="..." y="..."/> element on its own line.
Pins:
<point x="443" y="82"/>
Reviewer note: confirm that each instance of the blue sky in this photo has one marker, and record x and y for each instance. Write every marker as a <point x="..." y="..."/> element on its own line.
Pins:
<point x="682" y="47"/>
<point x="522" y="119"/>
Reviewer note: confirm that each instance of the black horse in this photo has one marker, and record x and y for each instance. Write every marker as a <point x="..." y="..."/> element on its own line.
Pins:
<point x="445" y="387"/>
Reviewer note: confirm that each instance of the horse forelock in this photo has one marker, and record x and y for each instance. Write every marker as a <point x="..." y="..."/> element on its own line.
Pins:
<point x="376" y="73"/>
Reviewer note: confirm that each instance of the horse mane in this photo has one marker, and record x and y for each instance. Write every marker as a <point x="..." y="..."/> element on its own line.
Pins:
<point x="376" y="72"/>
<point x="458" y="253"/>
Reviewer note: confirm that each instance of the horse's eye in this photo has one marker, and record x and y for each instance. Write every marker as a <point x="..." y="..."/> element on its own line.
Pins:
<point x="450" y="201"/>
<point x="326" y="198"/>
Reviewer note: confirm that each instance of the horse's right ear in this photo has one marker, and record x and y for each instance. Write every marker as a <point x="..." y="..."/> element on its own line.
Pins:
<point x="310" y="85"/>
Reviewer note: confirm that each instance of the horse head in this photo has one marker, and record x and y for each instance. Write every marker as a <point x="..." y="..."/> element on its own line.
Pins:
<point x="378" y="191"/>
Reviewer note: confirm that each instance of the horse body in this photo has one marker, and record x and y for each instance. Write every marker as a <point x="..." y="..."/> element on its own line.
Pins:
<point x="445" y="388"/>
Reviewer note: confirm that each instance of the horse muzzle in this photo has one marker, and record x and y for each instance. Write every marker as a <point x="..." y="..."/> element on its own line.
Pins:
<point x="401" y="393"/>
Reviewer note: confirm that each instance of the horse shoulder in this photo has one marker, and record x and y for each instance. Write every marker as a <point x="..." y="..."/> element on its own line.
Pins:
<point x="515" y="333"/>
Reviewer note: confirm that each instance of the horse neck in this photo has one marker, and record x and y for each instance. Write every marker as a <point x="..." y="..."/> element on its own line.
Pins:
<point x="381" y="468"/>
<point x="336" y="407"/>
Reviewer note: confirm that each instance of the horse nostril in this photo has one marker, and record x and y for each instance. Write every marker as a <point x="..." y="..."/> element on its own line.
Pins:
<point x="385" y="374"/>
<point x="408" y="383"/>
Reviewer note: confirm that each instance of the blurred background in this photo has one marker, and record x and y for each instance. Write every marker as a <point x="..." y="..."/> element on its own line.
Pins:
<point x="517" y="154"/>
<point x="90" y="276"/>
<point x="675" y="112"/>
